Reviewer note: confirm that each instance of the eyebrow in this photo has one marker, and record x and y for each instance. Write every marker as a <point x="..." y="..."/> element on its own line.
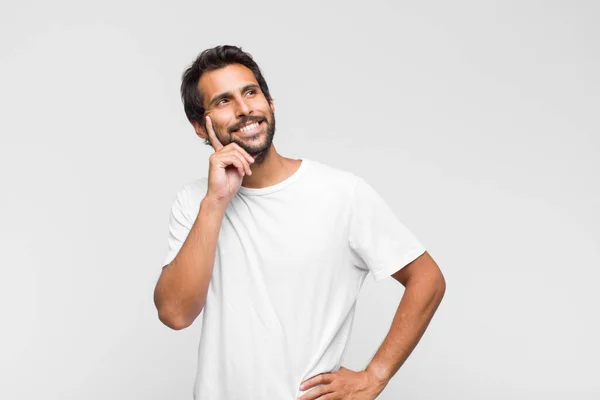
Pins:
<point x="229" y="94"/>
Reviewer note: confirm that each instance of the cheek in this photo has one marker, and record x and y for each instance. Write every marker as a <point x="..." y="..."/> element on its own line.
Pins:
<point x="261" y="104"/>
<point x="222" y="122"/>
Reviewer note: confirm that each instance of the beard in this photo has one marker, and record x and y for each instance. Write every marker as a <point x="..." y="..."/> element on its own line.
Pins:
<point x="259" y="143"/>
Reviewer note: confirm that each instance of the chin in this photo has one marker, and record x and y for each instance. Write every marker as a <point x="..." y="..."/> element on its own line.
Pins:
<point x="256" y="154"/>
<point x="253" y="150"/>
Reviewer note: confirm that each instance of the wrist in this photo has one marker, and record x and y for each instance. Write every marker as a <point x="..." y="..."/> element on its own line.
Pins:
<point x="213" y="205"/>
<point x="378" y="373"/>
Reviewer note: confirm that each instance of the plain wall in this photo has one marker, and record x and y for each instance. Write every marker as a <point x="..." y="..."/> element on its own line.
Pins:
<point x="477" y="121"/>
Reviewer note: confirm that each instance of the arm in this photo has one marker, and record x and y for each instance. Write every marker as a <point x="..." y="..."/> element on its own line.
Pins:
<point x="180" y="293"/>
<point x="181" y="290"/>
<point x="425" y="287"/>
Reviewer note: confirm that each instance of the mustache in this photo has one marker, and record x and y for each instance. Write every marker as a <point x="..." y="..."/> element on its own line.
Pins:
<point x="245" y="121"/>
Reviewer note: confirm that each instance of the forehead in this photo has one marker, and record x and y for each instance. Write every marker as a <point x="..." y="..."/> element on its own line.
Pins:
<point x="226" y="79"/>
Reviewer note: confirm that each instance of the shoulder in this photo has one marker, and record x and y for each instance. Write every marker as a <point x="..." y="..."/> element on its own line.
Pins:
<point x="197" y="187"/>
<point x="192" y="188"/>
<point x="334" y="178"/>
<point x="190" y="195"/>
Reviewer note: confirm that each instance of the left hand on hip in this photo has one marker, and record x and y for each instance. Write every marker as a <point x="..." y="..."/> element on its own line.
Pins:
<point x="343" y="384"/>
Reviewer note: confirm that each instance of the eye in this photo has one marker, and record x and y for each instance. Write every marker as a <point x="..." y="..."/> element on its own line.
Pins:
<point x="251" y="91"/>
<point x="221" y="101"/>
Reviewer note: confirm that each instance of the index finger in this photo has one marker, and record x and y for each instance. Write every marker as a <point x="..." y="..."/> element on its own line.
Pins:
<point x="212" y="136"/>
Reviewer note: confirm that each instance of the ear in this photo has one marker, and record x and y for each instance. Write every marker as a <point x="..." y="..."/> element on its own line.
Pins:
<point x="199" y="128"/>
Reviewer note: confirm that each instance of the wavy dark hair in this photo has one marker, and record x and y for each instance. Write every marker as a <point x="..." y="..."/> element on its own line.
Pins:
<point x="209" y="60"/>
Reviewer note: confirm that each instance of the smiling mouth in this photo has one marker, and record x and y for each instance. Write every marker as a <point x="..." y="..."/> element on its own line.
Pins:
<point x="250" y="128"/>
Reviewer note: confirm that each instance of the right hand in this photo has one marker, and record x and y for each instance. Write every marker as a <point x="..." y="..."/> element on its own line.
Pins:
<point x="227" y="167"/>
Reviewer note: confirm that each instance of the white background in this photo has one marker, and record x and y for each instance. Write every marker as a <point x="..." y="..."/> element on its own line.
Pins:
<point x="477" y="121"/>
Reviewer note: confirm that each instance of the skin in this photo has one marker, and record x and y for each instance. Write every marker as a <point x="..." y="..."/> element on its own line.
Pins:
<point x="423" y="281"/>
<point x="242" y="103"/>
<point x="424" y="289"/>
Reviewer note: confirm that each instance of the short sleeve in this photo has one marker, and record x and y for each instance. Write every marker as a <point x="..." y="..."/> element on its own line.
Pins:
<point x="180" y="225"/>
<point x="382" y="244"/>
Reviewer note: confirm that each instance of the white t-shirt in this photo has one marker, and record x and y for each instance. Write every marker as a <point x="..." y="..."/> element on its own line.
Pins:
<point x="290" y="261"/>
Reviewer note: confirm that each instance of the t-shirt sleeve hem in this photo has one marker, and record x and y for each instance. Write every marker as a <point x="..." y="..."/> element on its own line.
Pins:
<point x="168" y="259"/>
<point x="392" y="268"/>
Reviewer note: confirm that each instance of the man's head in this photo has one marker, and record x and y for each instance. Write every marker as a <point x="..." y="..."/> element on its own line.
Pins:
<point x="226" y="84"/>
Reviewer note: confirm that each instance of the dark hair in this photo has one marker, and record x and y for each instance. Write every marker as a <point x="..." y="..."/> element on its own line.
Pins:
<point x="209" y="60"/>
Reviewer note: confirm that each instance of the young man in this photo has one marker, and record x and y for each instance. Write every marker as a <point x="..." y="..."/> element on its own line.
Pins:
<point x="275" y="250"/>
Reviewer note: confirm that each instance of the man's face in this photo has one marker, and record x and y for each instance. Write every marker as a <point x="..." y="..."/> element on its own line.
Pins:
<point x="238" y="109"/>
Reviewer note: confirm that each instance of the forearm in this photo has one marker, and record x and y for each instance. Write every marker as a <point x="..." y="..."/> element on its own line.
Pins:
<point x="181" y="291"/>
<point x="419" y="302"/>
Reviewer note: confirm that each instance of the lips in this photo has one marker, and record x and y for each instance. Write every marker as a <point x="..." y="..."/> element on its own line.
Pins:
<point x="255" y="127"/>
<point x="247" y="123"/>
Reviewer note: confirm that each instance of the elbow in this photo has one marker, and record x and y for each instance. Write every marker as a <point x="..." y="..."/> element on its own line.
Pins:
<point x="440" y="289"/>
<point x="442" y="284"/>
<point x="176" y="325"/>
<point x="175" y="320"/>
<point x="438" y="283"/>
<point x="175" y="313"/>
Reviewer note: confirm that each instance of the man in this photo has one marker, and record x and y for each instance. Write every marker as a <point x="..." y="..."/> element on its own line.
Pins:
<point x="275" y="250"/>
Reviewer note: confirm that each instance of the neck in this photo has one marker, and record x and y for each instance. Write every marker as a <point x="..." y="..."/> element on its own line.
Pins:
<point x="272" y="169"/>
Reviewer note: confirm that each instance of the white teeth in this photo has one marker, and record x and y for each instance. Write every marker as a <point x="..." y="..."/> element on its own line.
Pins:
<point x="249" y="127"/>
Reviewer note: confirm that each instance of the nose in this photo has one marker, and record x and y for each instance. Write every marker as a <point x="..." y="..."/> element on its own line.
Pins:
<point x="243" y="108"/>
